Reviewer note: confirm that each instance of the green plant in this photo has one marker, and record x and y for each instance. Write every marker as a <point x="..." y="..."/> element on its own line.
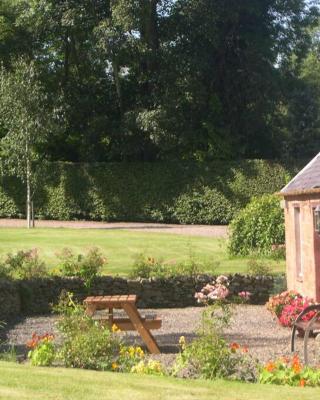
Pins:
<point x="285" y="371"/>
<point x="257" y="227"/>
<point x="150" y="267"/>
<point x="258" y="268"/>
<point x="171" y="191"/>
<point x="24" y="265"/>
<point x="86" y="266"/>
<point x="150" y="367"/>
<point x="86" y="343"/>
<point x="209" y="356"/>
<point x="128" y="357"/>
<point x="42" y="350"/>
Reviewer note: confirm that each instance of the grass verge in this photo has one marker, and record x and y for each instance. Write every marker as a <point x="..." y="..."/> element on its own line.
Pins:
<point x="121" y="246"/>
<point x="24" y="382"/>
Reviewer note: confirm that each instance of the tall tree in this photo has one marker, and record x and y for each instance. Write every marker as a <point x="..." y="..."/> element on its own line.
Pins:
<point x="27" y="122"/>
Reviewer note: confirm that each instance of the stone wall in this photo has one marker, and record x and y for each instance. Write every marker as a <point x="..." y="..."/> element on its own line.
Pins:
<point x="37" y="296"/>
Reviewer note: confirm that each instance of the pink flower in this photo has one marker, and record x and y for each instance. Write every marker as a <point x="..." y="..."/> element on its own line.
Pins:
<point x="245" y="295"/>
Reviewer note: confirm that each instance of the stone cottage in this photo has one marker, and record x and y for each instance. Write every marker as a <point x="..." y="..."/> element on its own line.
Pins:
<point x="302" y="225"/>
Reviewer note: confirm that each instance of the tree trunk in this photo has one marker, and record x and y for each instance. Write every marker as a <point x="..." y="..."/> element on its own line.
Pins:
<point x="28" y="173"/>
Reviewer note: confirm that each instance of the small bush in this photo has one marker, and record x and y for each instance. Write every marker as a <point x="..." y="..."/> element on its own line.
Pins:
<point x="209" y="356"/>
<point x="286" y="371"/>
<point x="23" y="265"/>
<point x="150" y="267"/>
<point x="86" y="343"/>
<point x="257" y="227"/>
<point x="258" y="268"/>
<point x="42" y="350"/>
<point x="86" y="266"/>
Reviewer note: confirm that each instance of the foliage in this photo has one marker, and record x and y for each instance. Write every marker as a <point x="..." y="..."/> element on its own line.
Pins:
<point x="290" y="372"/>
<point x="26" y="121"/>
<point x="258" y="268"/>
<point x="129" y="357"/>
<point x="209" y="356"/>
<point x="86" y="343"/>
<point x="23" y="265"/>
<point x="150" y="267"/>
<point x="109" y="191"/>
<point x="287" y="305"/>
<point x="149" y="80"/>
<point x="257" y="227"/>
<point x="86" y="266"/>
<point x="42" y="350"/>
<point x="150" y="367"/>
<point x="217" y="291"/>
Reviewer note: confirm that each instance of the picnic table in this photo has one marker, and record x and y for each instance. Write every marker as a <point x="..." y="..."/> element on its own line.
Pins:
<point x="134" y="321"/>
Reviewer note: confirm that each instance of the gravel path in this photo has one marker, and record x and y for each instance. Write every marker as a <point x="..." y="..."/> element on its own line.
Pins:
<point x="190" y="230"/>
<point x="252" y="326"/>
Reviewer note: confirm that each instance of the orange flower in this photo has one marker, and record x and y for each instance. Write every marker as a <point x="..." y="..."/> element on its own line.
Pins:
<point x="296" y="367"/>
<point x="245" y="349"/>
<point x="302" y="382"/>
<point x="234" y="347"/>
<point x="270" y="366"/>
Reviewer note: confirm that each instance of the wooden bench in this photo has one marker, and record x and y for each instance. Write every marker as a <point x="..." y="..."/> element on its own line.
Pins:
<point x="134" y="321"/>
<point x="306" y="328"/>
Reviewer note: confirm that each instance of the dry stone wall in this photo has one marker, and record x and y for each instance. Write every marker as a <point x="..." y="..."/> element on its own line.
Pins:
<point x="30" y="297"/>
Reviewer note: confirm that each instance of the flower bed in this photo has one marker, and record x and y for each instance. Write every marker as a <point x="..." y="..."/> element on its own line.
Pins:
<point x="287" y="305"/>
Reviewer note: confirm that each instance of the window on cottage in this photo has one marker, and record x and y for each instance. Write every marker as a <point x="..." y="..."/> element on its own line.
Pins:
<point x="297" y="230"/>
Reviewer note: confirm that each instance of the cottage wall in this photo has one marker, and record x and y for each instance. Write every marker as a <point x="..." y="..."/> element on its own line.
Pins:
<point x="308" y="283"/>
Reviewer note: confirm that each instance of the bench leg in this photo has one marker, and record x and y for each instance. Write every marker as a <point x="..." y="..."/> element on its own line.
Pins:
<point x="145" y="334"/>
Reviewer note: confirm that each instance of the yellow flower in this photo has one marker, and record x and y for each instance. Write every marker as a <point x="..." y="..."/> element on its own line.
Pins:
<point x="182" y="342"/>
<point x="115" y="329"/>
<point x="114" y="366"/>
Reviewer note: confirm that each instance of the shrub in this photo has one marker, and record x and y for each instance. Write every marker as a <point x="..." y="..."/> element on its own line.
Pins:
<point x="150" y="367"/>
<point x="174" y="191"/>
<point x="23" y="265"/>
<point x="290" y="372"/>
<point x="258" y="268"/>
<point x="257" y="227"/>
<point x="42" y="350"/>
<point x="86" y="343"/>
<point x="288" y="305"/>
<point x="209" y="356"/>
<point x="150" y="267"/>
<point x="86" y="266"/>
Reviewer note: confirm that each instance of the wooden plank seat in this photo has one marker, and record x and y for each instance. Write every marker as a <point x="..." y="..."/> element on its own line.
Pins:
<point x="134" y="321"/>
<point x="306" y="329"/>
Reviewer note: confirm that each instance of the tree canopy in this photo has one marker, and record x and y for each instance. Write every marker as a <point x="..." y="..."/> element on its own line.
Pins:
<point x="163" y="79"/>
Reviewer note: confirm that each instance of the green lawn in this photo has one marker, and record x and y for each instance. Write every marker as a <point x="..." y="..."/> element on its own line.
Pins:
<point x="121" y="246"/>
<point x="31" y="383"/>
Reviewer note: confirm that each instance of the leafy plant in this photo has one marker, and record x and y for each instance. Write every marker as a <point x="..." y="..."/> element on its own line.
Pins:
<point x="286" y="371"/>
<point x="258" y="268"/>
<point x="288" y="305"/>
<point x="86" y="266"/>
<point x="43" y="352"/>
<point x="86" y="343"/>
<point x="257" y="227"/>
<point x="150" y="267"/>
<point x="209" y="356"/>
<point x="23" y="265"/>
<point x="150" y="367"/>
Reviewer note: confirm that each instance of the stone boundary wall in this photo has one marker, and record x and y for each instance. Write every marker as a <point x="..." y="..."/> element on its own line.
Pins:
<point x="32" y="297"/>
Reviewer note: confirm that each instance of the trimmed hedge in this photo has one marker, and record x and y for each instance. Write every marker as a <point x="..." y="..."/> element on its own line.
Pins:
<point x="175" y="192"/>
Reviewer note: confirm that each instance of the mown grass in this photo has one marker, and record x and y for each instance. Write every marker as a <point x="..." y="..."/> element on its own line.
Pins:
<point x="24" y="382"/>
<point x="122" y="246"/>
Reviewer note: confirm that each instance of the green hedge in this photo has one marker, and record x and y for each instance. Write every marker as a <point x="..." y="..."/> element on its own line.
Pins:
<point x="177" y="192"/>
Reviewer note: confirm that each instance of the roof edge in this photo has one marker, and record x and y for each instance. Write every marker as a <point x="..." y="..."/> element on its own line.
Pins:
<point x="299" y="173"/>
<point x="297" y="192"/>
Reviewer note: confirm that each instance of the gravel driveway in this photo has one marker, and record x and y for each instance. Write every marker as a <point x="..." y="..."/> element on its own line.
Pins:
<point x="190" y="230"/>
<point x="251" y="326"/>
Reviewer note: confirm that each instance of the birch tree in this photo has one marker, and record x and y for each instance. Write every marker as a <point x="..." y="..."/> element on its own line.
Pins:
<point x="26" y="121"/>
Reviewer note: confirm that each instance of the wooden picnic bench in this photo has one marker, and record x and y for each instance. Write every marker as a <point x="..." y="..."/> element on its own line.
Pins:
<point x="306" y="329"/>
<point x="134" y="321"/>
